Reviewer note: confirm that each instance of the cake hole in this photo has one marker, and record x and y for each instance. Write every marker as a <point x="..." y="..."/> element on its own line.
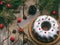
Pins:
<point x="45" y="25"/>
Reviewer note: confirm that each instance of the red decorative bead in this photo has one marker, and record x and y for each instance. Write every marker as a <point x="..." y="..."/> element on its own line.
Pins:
<point x="54" y="12"/>
<point x="8" y="5"/>
<point x="39" y="28"/>
<point x="1" y="26"/>
<point x="12" y="38"/>
<point x="19" y="20"/>
<point x="52" y="30"/>
<point x="45" y="32"/>
<point x="1" y="3"/>
<point x="42" y="18"/>
<point x="38" y="22"/>
<point x="49" y="19"/>
<point x="53" y="24"/>
<point x="21" y="29"/>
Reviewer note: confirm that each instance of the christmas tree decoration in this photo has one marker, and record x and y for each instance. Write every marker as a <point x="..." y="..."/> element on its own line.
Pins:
<point x="8" y="5"/>
<point x="19" y="20"/>
<point x="1" y="9"/>
<point x="1" y="3"/>
<point x="1" y="26"/>
<point x="1" y="6"/>
<point x="12" y="38"/>
<point x="54" y="12"/>
<point x="16" y="3"/>
<point x="6" y="9"/>
<point x="21" y="30"/>
<point x="32" y="10"/>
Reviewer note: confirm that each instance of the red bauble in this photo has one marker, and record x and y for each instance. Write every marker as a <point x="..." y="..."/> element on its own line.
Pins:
<point x="1" y="26"/>
<point x="8" y="5"/>
<point x="54" y="12"/>
<point x="19" y="20"/>
<point x="12" y="38"/>
<point x="20" y="29"/>
<point x="1" y="3"/>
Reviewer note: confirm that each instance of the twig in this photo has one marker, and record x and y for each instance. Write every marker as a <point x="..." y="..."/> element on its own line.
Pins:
<point x="8" y="34"/>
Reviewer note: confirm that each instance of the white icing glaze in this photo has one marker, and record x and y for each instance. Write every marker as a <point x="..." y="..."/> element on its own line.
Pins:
<point x="51" y="32"/>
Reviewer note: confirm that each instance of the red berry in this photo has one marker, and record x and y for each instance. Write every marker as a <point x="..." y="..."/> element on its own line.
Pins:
<point x="39" y="28"/>
<point x="38" y="22"/>
<point x="42" y="18"/>
<point x="54" y="12"/>
<point x="1" y="3"/>
<point x="1" y="26"/>
<point x="19" y="20"/>
<point x="21" y="29"/>
<point x="49" y="19"/>
<point x="8" y="5"/>
<point x="52" y="30"/>
<point x="45" y="32"/>
<point x="53" y="24"/>
<point x="12" y="38"/>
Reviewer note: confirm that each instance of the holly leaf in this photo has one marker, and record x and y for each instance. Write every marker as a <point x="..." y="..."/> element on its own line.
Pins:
<point x="2" y="20"/>
<point x="1" y="9"/>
